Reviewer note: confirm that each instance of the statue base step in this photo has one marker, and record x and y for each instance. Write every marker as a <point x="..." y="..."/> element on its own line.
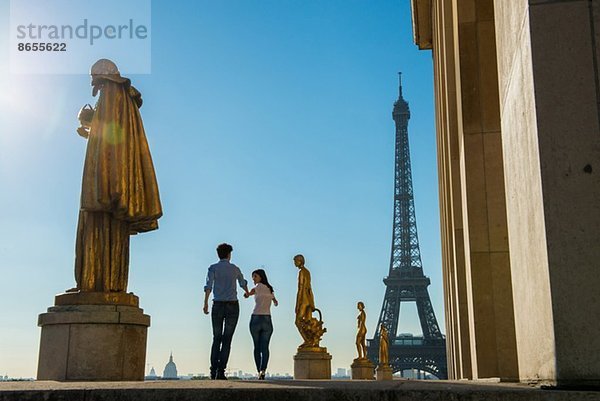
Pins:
<point x="93" y="342"/>
<point x="312" y="364"/>
<point x="363" y="369"/>
<point x="97" y="298"/>
<point x="384" y="372"/>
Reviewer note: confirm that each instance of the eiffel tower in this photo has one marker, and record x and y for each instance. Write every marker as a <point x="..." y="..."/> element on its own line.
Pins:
<point x="406" y="281"/>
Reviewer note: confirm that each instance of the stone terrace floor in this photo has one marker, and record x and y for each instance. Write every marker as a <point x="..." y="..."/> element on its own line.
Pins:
<point x="401" y="390"/>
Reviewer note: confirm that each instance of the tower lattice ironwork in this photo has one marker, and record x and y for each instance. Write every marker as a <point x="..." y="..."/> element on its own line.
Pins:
<point x="406" y="281"/>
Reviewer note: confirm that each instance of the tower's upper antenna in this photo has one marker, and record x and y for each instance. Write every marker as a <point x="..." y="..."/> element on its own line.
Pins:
<point x="400" y="84"/>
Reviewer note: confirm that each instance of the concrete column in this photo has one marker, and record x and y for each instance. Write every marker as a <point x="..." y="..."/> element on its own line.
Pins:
<point x="548" y="59"/>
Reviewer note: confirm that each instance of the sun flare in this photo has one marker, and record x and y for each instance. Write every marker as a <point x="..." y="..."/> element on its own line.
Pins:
<point x="15" y="94"/>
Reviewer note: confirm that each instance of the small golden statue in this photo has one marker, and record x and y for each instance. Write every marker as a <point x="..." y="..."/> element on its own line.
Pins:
<point x="384" y="346"/>
<point x="384" y="370"/>
<point x="119" y="192"/>
<point x="361" y="335"/>
<point x="311" y="329"/>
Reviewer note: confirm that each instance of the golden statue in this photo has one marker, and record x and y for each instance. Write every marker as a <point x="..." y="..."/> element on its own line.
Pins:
<point x="361" y="335"/>
<point x="119" y="194"/>
<point x="384" y="346"/>
<point x="310" y="328"/>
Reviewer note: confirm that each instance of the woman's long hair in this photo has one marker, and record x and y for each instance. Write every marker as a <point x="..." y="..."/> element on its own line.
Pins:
<point x="263" y="278"/>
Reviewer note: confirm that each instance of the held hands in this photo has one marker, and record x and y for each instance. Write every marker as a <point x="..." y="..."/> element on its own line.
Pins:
<point x="247" y="294"/>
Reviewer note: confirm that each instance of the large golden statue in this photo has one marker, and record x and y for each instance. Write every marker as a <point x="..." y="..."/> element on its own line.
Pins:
<point x="361" y="335"/>
<point x="311" y="329"/>
<point x="384" y="346"/>
<point x="119" y="194"/>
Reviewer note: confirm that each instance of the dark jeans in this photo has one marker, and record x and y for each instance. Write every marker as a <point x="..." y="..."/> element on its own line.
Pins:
<point x="261" y="329"/>
<point x="224" y="319"/>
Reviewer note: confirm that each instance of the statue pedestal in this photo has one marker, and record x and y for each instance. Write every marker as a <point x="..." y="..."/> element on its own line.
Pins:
<point x="313" y="363"/>
<point x="93" y="337"/>
<point x="363" y="369"/>
<point x="384" y="372"/>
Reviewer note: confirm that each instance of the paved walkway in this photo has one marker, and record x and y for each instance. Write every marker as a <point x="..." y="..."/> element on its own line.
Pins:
<point x="401" y="390"/>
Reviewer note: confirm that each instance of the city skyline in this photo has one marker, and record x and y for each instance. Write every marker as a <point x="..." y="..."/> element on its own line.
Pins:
<point x="270" y="127"/>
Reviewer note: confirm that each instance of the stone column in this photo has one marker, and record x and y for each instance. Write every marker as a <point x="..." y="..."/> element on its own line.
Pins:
<point x="478" y="288"/>
<point x="548" y="58"/>
<point x="93" y="337"/>
<point x="487" y="263"/>
<point x="453" y="260"/>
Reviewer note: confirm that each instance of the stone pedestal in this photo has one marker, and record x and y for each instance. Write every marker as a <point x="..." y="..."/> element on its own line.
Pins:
<point x="363" y="369"/>
<point x="93" y="337"/>
<point x="312" y="364"/>
<point x="384" y="372"/>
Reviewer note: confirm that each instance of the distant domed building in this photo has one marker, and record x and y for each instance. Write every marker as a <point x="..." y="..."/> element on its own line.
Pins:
<point x="151" y="375"/>
<point x="170" y="371"/>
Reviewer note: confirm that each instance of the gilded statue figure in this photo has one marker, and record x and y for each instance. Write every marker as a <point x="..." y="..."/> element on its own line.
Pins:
<point x="384" y="346"/>
<point x="310" y="328"/>
<point x="119" y="192"/>
<point x="361" y="335"/>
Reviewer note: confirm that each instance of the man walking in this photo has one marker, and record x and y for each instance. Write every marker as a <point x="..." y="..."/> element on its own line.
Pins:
<point x="221" y="280"/>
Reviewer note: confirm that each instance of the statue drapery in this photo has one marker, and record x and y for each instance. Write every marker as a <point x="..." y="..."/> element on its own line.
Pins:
<point x="119" y="195"/>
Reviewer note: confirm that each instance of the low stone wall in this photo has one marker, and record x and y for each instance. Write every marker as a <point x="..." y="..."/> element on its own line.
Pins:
<point x="401" y="390"/>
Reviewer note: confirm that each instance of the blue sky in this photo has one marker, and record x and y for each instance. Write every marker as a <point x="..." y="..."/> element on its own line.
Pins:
<point x="270" y="128"/>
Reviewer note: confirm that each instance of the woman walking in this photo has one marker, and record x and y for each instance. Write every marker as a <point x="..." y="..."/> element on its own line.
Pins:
<point x="261" y="326"/>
